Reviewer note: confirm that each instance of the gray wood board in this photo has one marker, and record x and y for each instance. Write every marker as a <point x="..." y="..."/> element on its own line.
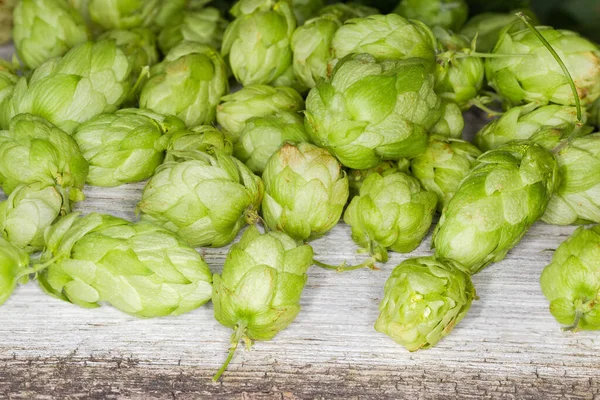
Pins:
<point x="507" y="347"/>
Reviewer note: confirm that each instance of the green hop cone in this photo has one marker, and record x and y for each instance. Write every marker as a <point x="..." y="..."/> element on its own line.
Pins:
<point x="495" y="204"/>
<point x="44" y="29"/>
<point x="392" y="212"/>
<point x="356" y="177"/>
<point x="124" y="147"/>
<point x="34" y="150"/>
<point x="263" y="136"/>
<point x="257" y="43"/>
<point x="571" y="281"/>
<point x="346" y="11"/>
<point x="27" y="212"/>
<point x="205" y="26"/>
<point x="205" y="199"/>
<point x="449" y="14"/>
<point x="124" y="14"/>
<point x="451" y="123"/>
<point x="373" y="111"/>
<point x="205" y="138"/>
<point x="423" y="300"/>
<point x="14" y="265"/>
<point x="577" y="198"/>
<point x="305" y="191"/>
<point x="532" y="73"/>
<point x="520" y="123"/>
<point x="255" y="101"/>
<point x="458" y="78"/>
<point x="138" y="44"/>
<point x="487" y="27"/>
<point x="138" y="268"/>
<point x="306" y="9"/>
<point x="188" y="83"/>
<point x="385" y="37"/>
<point x="258" y="293"/>
<point x="91" y="79"/>
<point x="6" y="19"/>
<point x="443" y="166"/>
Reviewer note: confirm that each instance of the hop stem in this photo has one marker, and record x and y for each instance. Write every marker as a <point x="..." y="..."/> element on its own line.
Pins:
<point x="343" y="267"/>
<point x="238" y="334"/>
<point x="562" y="65"/>
<point x="145" y="72"/>
<point x="36" y="268"/>
<point x="575" y="323"/>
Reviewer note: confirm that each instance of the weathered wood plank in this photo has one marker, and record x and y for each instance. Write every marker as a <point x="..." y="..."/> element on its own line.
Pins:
<point x="508" y="346"/>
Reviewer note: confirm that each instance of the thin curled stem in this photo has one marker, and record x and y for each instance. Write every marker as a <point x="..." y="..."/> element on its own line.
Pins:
<point x="343" y="267"/>
<point x="237" y="335"/>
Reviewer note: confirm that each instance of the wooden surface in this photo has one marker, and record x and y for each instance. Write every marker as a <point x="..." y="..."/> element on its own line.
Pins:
<point x="507" y="347"/>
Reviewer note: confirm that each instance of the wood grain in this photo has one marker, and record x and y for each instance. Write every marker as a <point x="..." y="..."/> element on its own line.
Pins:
<point x="507" y="347"/>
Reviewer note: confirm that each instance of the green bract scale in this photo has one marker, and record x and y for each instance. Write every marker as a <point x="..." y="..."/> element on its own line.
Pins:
<point x="44" y="29"/>
<point x="27" y="212"/>
<point x="532" y="74"/>
<point x="458" y="78"/>
<point x="356" y="177"/>
<point x="255" y="101"/>
<point x="520" y="123"/>
<point x="14" y="265"/>
<point x="571" y="282"/>
<point x="449" y="14"/>
<point x="205" y="138"/>
<point x="188" y="83"/>
<point x="495" y="205"/>
<point x="258" y="292"/>
<point x="91" y="79"/>
<point x="305" y="191"/>
<point x="443" y="166"/>
<point x="262" y="136"/>
<point x="124" y="14"/>
<point x="392" y="211"/>
<point x="385" y="37"/>
<point x="257" y="43"/>
<point x="203" y="26"/>
<point x="577" y="198"/>
<point x="138" y="268"/>
<point x="306" y="9"/>
<point x="487" y="27"/>
<point x="423" y="300"/>
<point x="372" y="111"/>
<point x="205" y="199"/>
<point x="125" y="146"/>
<point x="33" y="150"/>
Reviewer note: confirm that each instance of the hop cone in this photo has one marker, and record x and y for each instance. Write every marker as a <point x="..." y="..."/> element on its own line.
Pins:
<point x="305" y="191"/>
<point x="33" y="150"/>
<point x="139" y="45"/>
<point x="257" y="43"/>
<point x="443" y="166"/>
<point x="372" y="111"/>
<point x="536" y="76"/>
<point x="385" y="37"/>
<point x="520" y="123"/>
<point x="263" y="136"/>
<point x="124" y="14"/>
<point x="188" y="83"/>
<point x="571" y="281"/>
<point x="205" y="138"/>
<point x="27" y="212"/>
<point x="44" y="29"/>
<point x="449" y="14"/>
<point x="451" y="123"/>
<point x="458" y="79"/>
<point x="356" y="177"/>
<point x="255" y="101"/>
<point x="258" y="292"/>
<point x="125" y="146"/>
<point x="392" y="212"/>
<point x="138" y="268"/>
<point x="495" y="205"/>
<point x="91" y="79"/>
<point x="204" y="199"/>
<point x="13" y="264"/>
<point x="205" y="26"/>
<point x="423" y="300"/>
